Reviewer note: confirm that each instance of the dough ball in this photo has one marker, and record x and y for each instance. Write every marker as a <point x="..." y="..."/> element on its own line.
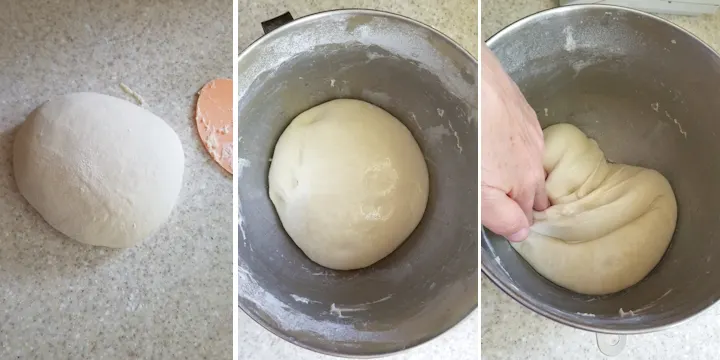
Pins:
<point x="609" y="224"/>
<point x="98" y="169"/>
<point x="349" y="183"/>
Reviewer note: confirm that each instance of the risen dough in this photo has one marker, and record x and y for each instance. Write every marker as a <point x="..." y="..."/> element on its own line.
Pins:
<point x="99" y="169"/>
<point x="349" y="183"/>
<point x="609" y="224"/>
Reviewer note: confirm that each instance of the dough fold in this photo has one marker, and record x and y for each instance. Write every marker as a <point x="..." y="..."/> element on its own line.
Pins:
<point x="609" y="224"/>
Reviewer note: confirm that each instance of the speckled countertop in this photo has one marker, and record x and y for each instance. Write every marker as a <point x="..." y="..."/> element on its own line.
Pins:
<point x="170" y="297"/>
<point x="457" y="19"/>
<point x="510" y="331"/>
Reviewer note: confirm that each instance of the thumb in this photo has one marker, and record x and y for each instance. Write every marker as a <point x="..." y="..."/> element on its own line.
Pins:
<point x="502" y="215"/>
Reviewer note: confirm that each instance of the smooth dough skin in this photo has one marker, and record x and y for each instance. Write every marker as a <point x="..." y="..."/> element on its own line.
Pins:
<point x="609" y="224"/>
<point x="349" y="183"/>
<point x="98" y="169"/>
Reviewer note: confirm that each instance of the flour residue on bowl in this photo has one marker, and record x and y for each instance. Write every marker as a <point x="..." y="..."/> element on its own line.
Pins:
<point x="502" y="267"/>
<point x="303" y="300"/>
<point x="295" y="323"/>
<point x="585" y="314"/>
<point x="413" y="117"/>
<point x="570" y="43"/>
<point x="397" y="36"/>
<point x="624" y="313"/>
<point x="435" y="134"/>
<point x="242" y="164"/>
<point x="656" y="107"/>
<point x="644" y="308"/>
<point x="241" y="221"/>
<point x="677" y="123"/>
<point x="651" y="304"/>
<point x="581" y="65"/>
<point x="338" y="310"/>
<point x="377" y="98"/>
<point x="457" y="138"/>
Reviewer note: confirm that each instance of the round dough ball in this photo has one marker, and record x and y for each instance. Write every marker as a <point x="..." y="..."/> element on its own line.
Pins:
<point x="98" y="169"/>
<point x="609" y="224"/>
<point x="349" y="183"/>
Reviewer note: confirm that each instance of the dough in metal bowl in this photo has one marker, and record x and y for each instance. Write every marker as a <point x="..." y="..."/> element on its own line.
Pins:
<point x="609" y="224"/>
<point x="349" y="183"/>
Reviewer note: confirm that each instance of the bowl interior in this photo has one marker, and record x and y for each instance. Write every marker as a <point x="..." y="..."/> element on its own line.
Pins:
<point x="430" y="282"/>
<point x="647" y="92"/>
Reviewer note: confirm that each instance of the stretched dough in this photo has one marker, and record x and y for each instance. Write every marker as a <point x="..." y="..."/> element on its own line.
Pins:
<point x="349" y="183"/>
<point x="609" y="224"/>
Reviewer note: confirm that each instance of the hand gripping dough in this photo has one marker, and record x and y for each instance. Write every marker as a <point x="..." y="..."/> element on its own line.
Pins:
<point x="609" y="224"/>
<point x="349" y="183"/>
<point x="98" y="169"/>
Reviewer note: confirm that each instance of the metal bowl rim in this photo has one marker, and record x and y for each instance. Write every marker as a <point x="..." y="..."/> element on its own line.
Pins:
<point x="515" y="294"/>
<point x="354" y="11"/>
<point x="259" y="42"/>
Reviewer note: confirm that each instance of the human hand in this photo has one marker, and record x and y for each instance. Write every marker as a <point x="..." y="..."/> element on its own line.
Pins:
<point x="513" y="179"/>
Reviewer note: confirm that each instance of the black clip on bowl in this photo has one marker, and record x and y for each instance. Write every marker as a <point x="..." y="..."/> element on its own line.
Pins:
<point x="276" y="22"/>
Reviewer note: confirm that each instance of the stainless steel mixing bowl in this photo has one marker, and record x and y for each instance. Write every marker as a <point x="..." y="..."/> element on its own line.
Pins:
<point x="427" y="81"/>
<point x="649" y="92"/>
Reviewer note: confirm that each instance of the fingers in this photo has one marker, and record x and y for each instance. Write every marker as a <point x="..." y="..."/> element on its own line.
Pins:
<point x="524" y="199"/>
<point x="503" y="216"/>
<point x="541" y="201"/>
